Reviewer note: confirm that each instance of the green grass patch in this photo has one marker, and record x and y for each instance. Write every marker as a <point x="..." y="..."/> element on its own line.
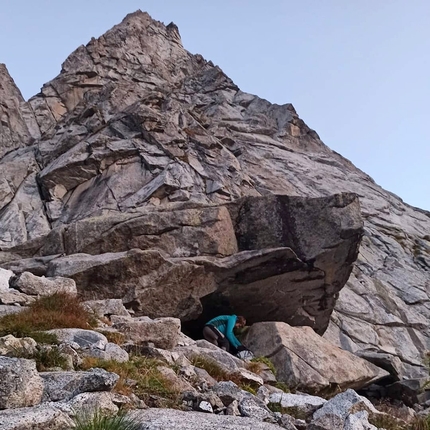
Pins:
<point x="387" y="422"/>
<point x="139" y="375"/>
<point x="248" y="387"/>
<point x="45" y="338"/>
<point x="46" y="357"/>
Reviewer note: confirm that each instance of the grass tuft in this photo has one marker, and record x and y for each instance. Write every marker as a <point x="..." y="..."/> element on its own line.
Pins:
<point x="282" y="386"/>
<point x="263" y="360"/>
<point x="98" y="421"/>
<point x="59" y="310"/>
<point x="47" y="358"/>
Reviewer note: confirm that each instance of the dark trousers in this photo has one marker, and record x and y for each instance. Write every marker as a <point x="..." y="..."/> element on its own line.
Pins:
<point x="214" y="336"/>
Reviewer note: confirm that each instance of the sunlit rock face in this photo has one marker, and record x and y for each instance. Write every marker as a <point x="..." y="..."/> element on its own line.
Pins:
<point x="142" y="152"/>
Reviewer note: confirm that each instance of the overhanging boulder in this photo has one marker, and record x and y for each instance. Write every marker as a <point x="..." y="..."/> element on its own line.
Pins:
<point x="271" y="258"/>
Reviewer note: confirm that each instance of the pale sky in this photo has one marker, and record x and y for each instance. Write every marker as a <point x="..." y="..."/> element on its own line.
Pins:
<point x="357" y="71"/>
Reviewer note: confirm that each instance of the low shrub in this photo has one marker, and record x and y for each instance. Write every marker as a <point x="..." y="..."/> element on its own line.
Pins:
<point x="46" y="357"/>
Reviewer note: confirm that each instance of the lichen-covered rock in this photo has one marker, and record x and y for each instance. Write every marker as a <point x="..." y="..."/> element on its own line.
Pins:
<point x="65" y="385"/>
<point x="303" y="402"/>
<point x="20" y="385"/>
<point x="87" y="404"/>
<point x="210" y="352"/>
<point x="252" y="407"/>
<point x="10" y="309"/>
<point x="15" y="297"/>
<point x="80" y="338"/>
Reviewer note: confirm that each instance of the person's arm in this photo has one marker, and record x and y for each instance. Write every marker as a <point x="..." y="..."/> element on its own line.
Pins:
<point x="231" y="322"/>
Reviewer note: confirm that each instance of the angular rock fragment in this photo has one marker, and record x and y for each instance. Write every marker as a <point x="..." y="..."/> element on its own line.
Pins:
<point x="21" y="385"/>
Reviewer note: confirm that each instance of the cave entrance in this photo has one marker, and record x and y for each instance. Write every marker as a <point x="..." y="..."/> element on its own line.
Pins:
<point x="213" y="305"/>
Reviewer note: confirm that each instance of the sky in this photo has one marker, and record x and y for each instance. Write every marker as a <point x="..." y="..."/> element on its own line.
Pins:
<point x="357" y="71"/>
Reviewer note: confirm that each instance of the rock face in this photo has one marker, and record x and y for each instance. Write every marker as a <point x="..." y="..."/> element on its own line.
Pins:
<point x="17" y="124"/>
<point x="143" y="157"/>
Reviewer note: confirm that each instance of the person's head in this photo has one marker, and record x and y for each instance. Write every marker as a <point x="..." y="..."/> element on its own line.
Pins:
<point x="240" y="321"/>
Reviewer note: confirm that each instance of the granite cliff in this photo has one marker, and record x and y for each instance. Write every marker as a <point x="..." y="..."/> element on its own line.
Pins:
<point x="144" y="173"/>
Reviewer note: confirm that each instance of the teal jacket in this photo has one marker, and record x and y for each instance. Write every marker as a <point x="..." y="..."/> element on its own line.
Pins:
<point x="225" y="324"/>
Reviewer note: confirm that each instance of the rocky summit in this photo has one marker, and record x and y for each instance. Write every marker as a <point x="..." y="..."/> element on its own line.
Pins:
<point x="143" y="173"/>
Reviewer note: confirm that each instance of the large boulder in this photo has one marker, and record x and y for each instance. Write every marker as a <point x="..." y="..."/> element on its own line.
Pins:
<point x="277" y="254"/>
<point x="146" y="281"/>
<point x="21" y="385"/>
<point x="306" y="361"/>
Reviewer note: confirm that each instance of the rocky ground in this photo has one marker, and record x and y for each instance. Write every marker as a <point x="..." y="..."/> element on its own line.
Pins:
<point x="164" y="379"/>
